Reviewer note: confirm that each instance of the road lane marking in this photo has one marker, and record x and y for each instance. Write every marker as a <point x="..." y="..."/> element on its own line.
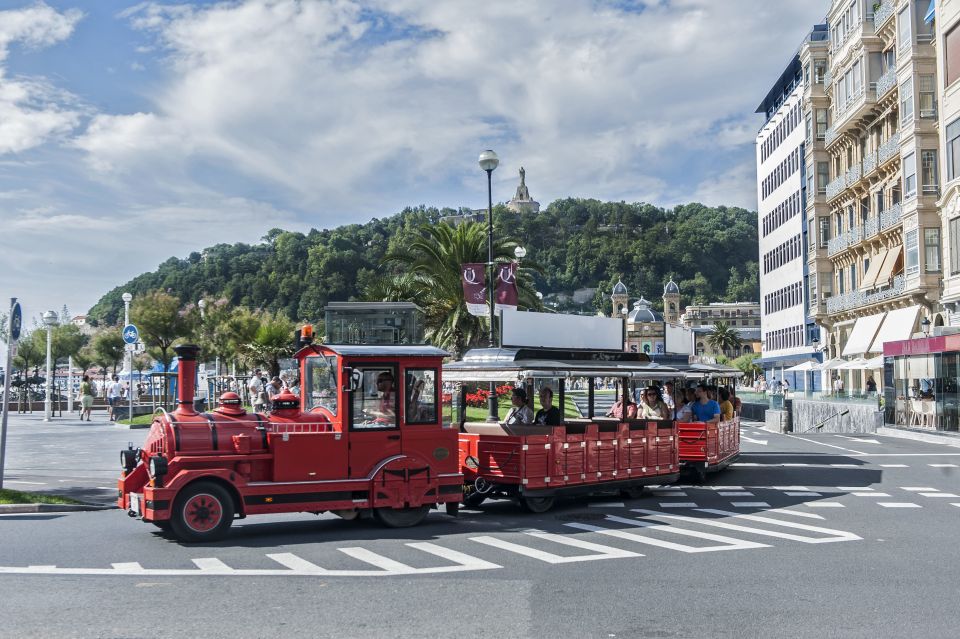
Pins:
<point x="846" y="465"/>
<point x="462" y="559"/>
<point x="26" y="483"/>
<point x="749" y="504"/>
<point x="761" y="442"/>
<point x="823" y="504"/>
<point x="804" y="439"/>
<point x="832" y="535"/>
<point x="129" y="566"/>
<point x="678" y="504"/>
<point x="849" y="488"/>
<point x="870" y="494"/>
<point x="942" y="465"/>
<point x="735" y="493"/>
<point x="211" y="564"/>
<point x="787" y="511"/>
<point x="611" y="504"/>
<point x="727" y="543"/>
<point x="297" y="564"/>
<point x="938" y="494"/>
<point x="600" y="552"/>
<point x="374" y="559"/>
<point x="801" y="493"/>
<point x="894" y="504"/>
<point x="895" y="466"/>
<point x="794" y="465"/>
<point x="920" y="489"/>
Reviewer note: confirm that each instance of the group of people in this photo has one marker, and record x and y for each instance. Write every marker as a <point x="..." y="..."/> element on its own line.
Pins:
<point x="263" y="389"/>
<point x="701" y="403"/>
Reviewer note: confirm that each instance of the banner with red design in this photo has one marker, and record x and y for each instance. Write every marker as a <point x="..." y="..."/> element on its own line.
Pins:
<point x="474" y="278"/>
<point x="505" y="291"/>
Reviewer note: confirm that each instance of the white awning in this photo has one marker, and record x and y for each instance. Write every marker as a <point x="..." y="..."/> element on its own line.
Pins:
<point x="858" y="364"/>
<point x="831" y="364"/>
<point x="806" y="366"/>
<point x="898" y="325"/>
<point x="874" y="364"/>
<point x="862" y="335"/>
<point x="870" y="277"/>
<point x="891" y="265"/>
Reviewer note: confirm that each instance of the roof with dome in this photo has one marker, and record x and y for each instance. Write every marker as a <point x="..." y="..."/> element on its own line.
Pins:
<point x="643" y="313"/>
<point x="671" y="287"/>
<point x="620" y="288"/>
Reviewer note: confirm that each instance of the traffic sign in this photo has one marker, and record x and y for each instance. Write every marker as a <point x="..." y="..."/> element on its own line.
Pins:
<point x="16" y="321"/>
<point x="130" y="334"/>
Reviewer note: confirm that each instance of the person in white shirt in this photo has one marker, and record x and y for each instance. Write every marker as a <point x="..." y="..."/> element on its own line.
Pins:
<point x="114" y="392"/>
<point x="254" y="386"/>
<point x="519" y="413"/>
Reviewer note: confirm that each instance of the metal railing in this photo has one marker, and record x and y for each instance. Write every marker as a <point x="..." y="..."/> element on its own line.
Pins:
<point x="886" y="82"/>
<point x="883" y="13"/>
<point x="853" y="174"/>
<point x="889" y="149"/>
<point x="869" y="162"/>
<point x="830" y="136"/>
<point x="836" y="187"/>
<point x="890" y="217"/>
<point x="856" y="299"/>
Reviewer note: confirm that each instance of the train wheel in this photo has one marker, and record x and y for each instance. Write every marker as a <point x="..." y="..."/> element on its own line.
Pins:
<point x="202" y="512"/>
<point x="401" y="517"/>
<point x="634" y="492"/>
<point x="537" y="505"/>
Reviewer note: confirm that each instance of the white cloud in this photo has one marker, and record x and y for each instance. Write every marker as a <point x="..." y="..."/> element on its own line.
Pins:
<point x="31" y="109"/>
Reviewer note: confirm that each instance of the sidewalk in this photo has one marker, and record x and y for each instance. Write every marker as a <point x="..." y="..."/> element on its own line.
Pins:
<point x="66" y="456"/>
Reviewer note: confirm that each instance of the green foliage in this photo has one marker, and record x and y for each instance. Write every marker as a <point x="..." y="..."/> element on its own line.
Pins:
<point x="272" y="341"/>
<point x="108" y="348"/>
<point x="723" y="338"/>
<point x="748" y="364"/>
<point x="31" y="350"/>
<point x="66" y="341"/>
<point x="162" y="322"/>
<point x="577" y="243"/>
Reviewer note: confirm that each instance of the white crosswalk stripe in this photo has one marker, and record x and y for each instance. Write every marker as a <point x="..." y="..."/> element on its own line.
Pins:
<point x="726" y="543"/>
<point x="893" y="504"/>
<point x="211" y="564"/>
<point x="597" y="551"/>
<point x="831" y="535"/>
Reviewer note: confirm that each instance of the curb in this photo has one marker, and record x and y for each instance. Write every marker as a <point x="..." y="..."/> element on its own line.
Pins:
<point x="131" y="426"/>
<point x="943" y="440"/>
<point x="17" y="509"/>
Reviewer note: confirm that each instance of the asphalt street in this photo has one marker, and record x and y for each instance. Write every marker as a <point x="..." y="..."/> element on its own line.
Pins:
<point x="810" y="536"/>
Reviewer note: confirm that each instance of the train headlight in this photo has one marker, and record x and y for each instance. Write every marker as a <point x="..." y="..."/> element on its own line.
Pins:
<point x="157" y="468"/>
<point x="129" y="459"/>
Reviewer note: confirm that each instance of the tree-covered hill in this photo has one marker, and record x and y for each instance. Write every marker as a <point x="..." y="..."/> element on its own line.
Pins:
<point x="710" y="252"/>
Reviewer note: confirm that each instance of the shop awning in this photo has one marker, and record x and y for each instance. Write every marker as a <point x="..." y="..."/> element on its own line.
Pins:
<point x="931" y="12"/>
<point x="874" y="364"/>
<point x="870" y="277"/>
<point x="864" y="331"/>
<point x="831" y="364"/>
<point x="891" y="264"/>
<point x="806" y="366"/>
<point x="899" y="325"/>
<point x="858" y="364"/>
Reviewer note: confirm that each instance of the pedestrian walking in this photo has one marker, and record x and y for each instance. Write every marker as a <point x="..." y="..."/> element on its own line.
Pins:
<point x="114" y="393"/>
<point x="86" y="398"/>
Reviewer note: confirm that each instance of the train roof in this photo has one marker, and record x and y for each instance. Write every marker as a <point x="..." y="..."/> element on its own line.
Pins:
<point x="385" y="350"/>
<point x="498" y="364"/>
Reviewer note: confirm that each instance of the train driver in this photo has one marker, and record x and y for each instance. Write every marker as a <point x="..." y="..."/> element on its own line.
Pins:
<point x="386" y="409"/>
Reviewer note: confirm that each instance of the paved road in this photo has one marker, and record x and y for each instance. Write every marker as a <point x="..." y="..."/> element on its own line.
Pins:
<point x="806" y="537"/>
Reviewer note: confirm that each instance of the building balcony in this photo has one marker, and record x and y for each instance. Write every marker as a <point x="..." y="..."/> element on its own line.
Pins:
<point x="848" y="238"/>
<point x="883" y="13"/>
<point x="836" y="187"/>
<point x="828" y="78"/>
<point x="891" y="217"/>
<point x="830" y="136"/>
<point x="887" y="219"/>
<point x="856" y="299"/>
<point x="869" y="163"/>
<point x="853" y="175"/>
<point x="889" y="149"/>
<point x="886" y="82"/>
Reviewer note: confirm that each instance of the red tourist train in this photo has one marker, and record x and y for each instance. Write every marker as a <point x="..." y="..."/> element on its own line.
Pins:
<point x="369" y="435"/>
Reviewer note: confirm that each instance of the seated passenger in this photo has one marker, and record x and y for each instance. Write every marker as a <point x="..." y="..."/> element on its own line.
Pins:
<point x="653" y="406"/>
<point x="549" y="415"/>
<point x="726" y="406"/>
<point x="704" y="408"/>
<point x="519" y="413"/>
<point x="617" y="409"/>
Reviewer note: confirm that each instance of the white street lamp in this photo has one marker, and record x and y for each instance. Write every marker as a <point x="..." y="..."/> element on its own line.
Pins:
<point x="488" y="162"/>
<point x="49" y="320"/>
<point x="203" y="305"/>
<point x="127" y="298"/>
<point x="520" y="252"/>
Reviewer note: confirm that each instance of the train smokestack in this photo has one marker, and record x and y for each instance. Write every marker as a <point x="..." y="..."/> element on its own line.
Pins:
<point x="186" y="377"/>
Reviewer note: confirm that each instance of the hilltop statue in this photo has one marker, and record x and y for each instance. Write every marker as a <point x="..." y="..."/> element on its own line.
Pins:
<point x="522" y="202"/>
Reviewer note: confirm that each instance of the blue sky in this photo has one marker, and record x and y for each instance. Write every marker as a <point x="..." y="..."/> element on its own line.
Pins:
<point x="131" y="132"/>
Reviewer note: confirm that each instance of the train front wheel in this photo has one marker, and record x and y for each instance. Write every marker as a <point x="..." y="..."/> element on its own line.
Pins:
<point x="202" y="512"/>
<point x="537" y="505"/>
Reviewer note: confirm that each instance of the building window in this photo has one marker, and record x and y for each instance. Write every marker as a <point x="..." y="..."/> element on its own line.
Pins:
<point x="821" y="124"/>
<point x="823" y="177"/>
<point x="929" y="176"/>
<point x="819" y="71"/>
<point x="952" y="57"/>
<point x="906" y="102"/>
<point x="931" y="250"/>
<point x="955" y="246"/>
<point x="904" y="35"/>
<point x="928" y="96"/>
<point x="953" y="147"/>
<point x="910" y="175"/>
<point x="824" y="231"/>
<point x="853" y="277"/>
<point x="912" y="264"/>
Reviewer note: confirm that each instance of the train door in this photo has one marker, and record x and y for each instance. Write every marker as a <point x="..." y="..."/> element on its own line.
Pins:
<point x="373" y="417"/>
<point x="423" y="437"/>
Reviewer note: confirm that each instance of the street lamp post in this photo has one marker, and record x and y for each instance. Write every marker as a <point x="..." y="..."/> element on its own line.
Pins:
<point x="488" y="162"/>
<point x="49" y="320"/>
<point x="127" y="298"/>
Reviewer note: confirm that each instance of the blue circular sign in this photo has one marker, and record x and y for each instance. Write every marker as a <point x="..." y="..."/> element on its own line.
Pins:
<point x="16" y="322"/>
<point x="130" y="334"/>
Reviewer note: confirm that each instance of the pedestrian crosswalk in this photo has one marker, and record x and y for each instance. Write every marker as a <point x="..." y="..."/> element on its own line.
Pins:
<point x="631" y="534"/>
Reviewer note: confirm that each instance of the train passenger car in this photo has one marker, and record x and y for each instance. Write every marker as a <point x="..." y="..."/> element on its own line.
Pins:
<point x="583" y="454"/>
<point x="707" y="447"/>
<point x="365" y="437"/>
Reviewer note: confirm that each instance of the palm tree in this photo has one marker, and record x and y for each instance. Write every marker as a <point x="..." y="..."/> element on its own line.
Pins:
<point x="432" y="264"/>
<point x="724" y="339"/>
<point x="272" y="342"/>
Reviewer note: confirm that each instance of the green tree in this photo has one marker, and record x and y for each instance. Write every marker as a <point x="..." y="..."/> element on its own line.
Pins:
<point x="272" y="342"/>
<point x="66" y="341"/>
<point x="31" y="350"/>
<point x="241" y="329"/>
<point x="212" y="333"/>
<point x="84" y="358"/>
<point x="431" y="270"/>
<point x="108" y="347"/>
<point x="162" y="323"/>
<point x="723" y="339"/>
<point x="748" y="364"/>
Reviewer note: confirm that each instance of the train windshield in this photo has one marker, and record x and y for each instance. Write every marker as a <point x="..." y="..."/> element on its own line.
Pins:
<point x="320" y="383"/>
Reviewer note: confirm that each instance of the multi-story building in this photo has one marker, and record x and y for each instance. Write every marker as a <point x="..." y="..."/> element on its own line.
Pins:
<point x="947" y="45"/>
<point x="742" y="317"/>
<point x="783" y="144"/>
<point x="873" y="230"/>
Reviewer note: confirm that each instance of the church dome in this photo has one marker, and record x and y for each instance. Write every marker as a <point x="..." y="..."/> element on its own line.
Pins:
<point x="671" y="288"/>
<point x="643" y="313"/>
<point x="620" y="288"/>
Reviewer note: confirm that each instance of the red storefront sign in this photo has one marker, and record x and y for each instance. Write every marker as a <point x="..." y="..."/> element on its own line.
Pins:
<point x="922" y="346"/>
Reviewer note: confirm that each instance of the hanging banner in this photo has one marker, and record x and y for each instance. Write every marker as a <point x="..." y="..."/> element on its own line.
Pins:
<point x="474" y="279"/>
<point x="506" y="289"/>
